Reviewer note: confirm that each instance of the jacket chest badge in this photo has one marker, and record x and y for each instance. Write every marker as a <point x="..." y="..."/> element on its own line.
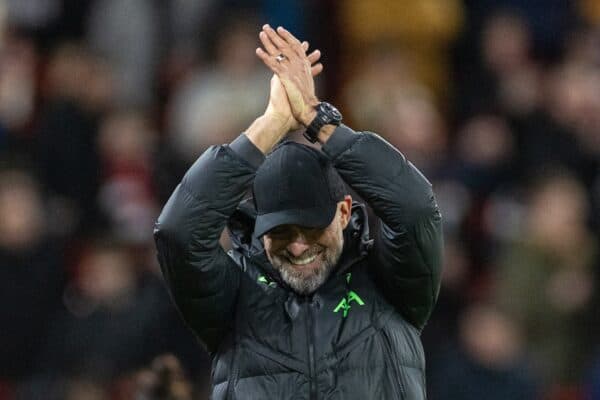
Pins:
<point x="266" y="281"/>
<point x="351" y="296"/>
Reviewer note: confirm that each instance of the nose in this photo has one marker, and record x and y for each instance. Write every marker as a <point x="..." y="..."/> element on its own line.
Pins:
<point x="297" y="245"/>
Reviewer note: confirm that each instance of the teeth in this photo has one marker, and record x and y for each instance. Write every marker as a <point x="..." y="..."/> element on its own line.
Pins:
<point x="304" y="261"/>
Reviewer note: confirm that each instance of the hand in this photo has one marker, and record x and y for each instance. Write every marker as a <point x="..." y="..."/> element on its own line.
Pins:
<point x="278" y="119"/>
<point x="296" y="70"/>
<point x="279" y="106"/>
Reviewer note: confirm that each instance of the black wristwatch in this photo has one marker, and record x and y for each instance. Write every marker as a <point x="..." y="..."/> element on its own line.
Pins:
<point x="326" y="115"/>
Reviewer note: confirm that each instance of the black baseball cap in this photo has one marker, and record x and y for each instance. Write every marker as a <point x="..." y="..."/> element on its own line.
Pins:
<point x="296" y="185"/>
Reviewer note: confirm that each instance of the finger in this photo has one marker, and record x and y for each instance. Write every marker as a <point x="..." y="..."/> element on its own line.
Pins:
<point x="316" y="69"/>
<point x="284" y="33"/>
<point x="279" y="43"/>
<point x="314" y="56"/>
<point x="305" y="46"/>
<point x="268" y="60"/>
<point x="269" y="46"/>
<point x="291" y="40"/>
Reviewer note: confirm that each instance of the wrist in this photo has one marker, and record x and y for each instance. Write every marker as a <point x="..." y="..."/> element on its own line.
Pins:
<point x="310" y="112"/>
<point x="326" y="118"/>
<point x="325" y="133"/>
<point x="267" y="130"/>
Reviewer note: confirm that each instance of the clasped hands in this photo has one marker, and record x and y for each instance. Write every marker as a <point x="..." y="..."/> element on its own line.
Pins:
<point x="292" y="99"/>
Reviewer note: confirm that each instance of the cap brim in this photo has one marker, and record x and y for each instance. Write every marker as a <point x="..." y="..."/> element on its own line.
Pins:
<point x="317" y="217"/>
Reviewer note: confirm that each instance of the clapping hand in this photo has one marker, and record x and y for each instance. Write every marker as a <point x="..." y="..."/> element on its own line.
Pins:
<point x="286" y="57"/>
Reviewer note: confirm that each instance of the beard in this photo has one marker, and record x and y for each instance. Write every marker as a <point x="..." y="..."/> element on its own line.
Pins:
<point x="306" y="280"/>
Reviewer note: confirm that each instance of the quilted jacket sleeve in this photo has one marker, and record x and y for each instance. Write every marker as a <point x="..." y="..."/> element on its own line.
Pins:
<point x="407" y="256"/>
<point x="202" y="278"/>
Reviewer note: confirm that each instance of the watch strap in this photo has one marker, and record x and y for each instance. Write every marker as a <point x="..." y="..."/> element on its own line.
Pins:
<point x="326" y="115"/>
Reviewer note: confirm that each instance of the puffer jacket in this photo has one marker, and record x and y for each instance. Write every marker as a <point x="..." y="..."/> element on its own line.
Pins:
<point x="357" y="336"/>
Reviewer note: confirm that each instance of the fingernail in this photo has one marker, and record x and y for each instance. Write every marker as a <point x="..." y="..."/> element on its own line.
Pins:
<point x="280" y="28"/>
<point x="266" y="26"/>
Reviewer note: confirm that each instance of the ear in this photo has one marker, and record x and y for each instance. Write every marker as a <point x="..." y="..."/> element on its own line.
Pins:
<point x="345" y="207"/>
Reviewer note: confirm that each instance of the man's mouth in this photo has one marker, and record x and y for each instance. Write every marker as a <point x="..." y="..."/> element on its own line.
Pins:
<point x="303" y="261"/>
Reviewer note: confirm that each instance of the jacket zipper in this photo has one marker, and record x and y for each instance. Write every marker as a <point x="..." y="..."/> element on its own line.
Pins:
<point x="311" y="352"/>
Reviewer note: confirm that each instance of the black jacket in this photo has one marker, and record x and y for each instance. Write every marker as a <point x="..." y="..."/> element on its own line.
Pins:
<point x="357" y="336"/>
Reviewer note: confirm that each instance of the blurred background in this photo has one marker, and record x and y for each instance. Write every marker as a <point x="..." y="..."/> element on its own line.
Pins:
<point x="105" y="103"/>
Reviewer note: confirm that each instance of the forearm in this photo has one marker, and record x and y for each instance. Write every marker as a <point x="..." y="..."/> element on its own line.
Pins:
<point x="266" y="131"/>
<point x="396" y="191"/>
<point x="197" y="212"/>
<point x="190" y="224"/>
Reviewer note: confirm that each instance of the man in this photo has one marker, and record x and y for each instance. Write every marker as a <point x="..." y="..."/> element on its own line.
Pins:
<point x="306" y="305"/>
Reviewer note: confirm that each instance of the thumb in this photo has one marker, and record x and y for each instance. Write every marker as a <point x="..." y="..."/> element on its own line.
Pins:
<point x="277" y="95"/>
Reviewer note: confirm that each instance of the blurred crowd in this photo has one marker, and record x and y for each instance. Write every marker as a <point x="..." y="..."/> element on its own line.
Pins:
<point x="105" y="103"/>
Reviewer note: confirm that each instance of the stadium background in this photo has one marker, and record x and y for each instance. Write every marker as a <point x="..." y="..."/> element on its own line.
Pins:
<point x="104" y="104"/>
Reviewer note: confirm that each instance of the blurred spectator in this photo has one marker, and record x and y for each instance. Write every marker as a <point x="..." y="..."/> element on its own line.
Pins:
<point x="78" y="92"/>
<point x="489" y="363"/>
<point x="115" y="318"/>
<point x="574" y="104"/>
<point x="385" y="97"/>
<point x="414" y="125"/>
<point x="442" y="328"/>
<point x="382" y="76"/>
<point x="550" y="20"/>
<point x="127" y="194"/>
<point x="483" y="154"/>
<point x="505" y="78"/>
<point x="546" y="280"/>
<point x="187" y="19"/>
<point x="216" y="104"/>
<point x="30" y="273"/>
<point x="126" y="33"/>
<point x="18" y="67"/>
<point x="164" y="380"/>
<point x="421" y="30"/>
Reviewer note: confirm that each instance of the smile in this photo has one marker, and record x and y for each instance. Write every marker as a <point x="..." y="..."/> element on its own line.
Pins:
<point x="303" y="261"/>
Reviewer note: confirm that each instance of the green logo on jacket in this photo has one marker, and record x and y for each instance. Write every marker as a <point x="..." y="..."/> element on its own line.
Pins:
<point x="351" y="296"/>
<point x="264" y="280"/>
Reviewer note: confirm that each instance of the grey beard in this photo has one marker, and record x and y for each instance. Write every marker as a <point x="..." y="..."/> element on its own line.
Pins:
<point x="308" y="284"/>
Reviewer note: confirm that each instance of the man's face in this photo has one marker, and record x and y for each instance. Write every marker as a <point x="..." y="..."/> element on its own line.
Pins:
<point x="304" y="256"/>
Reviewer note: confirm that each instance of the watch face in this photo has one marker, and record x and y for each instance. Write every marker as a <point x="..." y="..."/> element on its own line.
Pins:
<point x="332" y="113"/>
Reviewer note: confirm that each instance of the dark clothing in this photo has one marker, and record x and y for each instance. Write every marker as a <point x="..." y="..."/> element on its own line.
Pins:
<point x="33" y="281"/>
<point x="67" y="158"/>
<point x="357" y="336"/>
<point x="106" y="341"/>
<point x="459" y="377"/>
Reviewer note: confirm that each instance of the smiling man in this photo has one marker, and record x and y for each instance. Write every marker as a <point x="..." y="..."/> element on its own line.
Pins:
<point x="302" y="210"/>
<point x="307" y="305"/>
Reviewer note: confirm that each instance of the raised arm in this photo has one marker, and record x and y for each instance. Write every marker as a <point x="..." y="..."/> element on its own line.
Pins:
<point x="407" y="253"/>
<point x="202" y="278"/>
<point x="407" y="256"/>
